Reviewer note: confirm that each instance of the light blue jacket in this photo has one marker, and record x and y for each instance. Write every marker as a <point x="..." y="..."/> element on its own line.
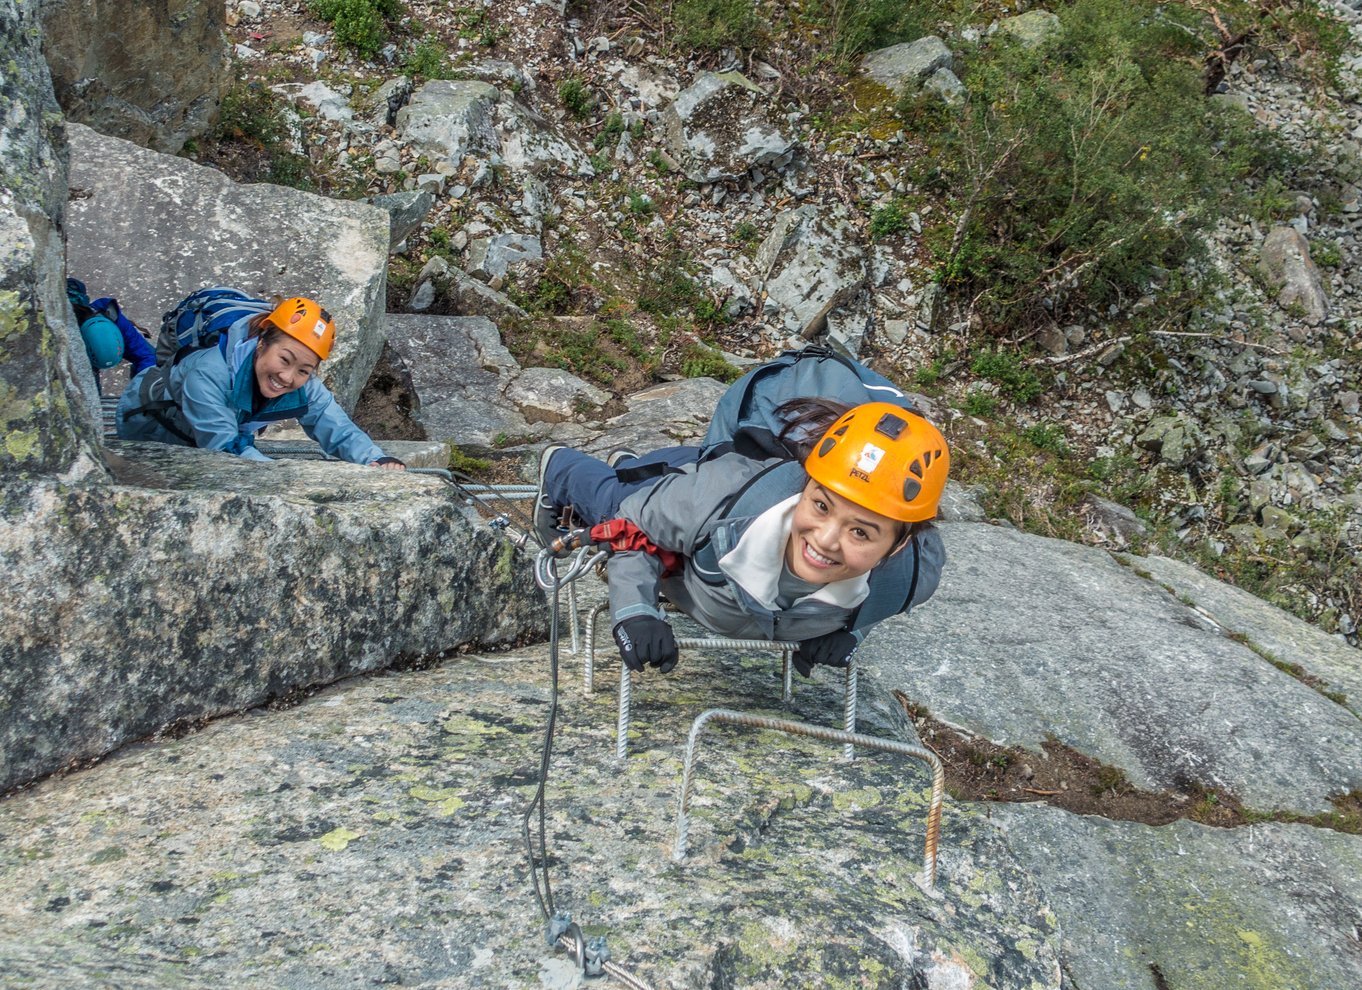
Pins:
<point x="205" y="401"/>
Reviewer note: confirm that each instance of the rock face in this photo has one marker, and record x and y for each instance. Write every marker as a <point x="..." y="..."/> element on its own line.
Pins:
<point x="1277" y="634"/>
<point x="49" y="425"/>
<point x="152" y="73"/>
<point x="207" y="584"/>
<point x="1108" y="663"/>
<point x="1188" y="906"/>
<point x="150" y="229"/>
<point x="373" y="835"/>
<point x="719" y="129"/>
<point x="811" y="263"/>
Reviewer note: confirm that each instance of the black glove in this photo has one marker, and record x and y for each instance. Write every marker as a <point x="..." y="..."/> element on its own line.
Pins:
<point x="643" y="639"/>
<point x="833" y="649"/>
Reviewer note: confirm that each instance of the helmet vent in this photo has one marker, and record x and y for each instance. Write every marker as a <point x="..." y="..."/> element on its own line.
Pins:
<point x="826" y="446"/>
<point x="911" y="488"/>
<point x="916" y="468"/>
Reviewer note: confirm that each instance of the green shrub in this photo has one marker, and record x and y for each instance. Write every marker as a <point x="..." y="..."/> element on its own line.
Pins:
<point x="575" y="96"/>
<point x="428" y="59"/>
<point x="1044" y="436"/>
<point x="746" y="232"/>
<point x="360" y="24"/>
<point x="888" y="220"/>
<point x="700" y="361"/>
<point x="716" y="23"/>
<point x="981" y="404"/>
<point x="667" y="290"/>
<point x="288" y="169"/>
<point x="1326" y="254"/>
<point x="1006" y="370"/>
<point x="1081" y="166"/>
<point x="612" y="127"/>
<point x="251" y="112"/>
<point x="659" y="162"/>
<point x="860" y="26"/>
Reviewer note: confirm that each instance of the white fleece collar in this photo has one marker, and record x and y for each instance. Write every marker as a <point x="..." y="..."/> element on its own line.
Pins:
<point x="755" y="562"/>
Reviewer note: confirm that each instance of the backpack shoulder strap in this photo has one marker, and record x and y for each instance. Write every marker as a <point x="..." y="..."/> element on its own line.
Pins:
<point x="158" y="409"/>
<point x="764" y="489"/>
<point x="917" y="567"/>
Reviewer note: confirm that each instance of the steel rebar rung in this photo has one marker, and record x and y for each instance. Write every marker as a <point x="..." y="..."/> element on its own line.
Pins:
<point x="786" y="648"/>
<point x="827" y="735"/>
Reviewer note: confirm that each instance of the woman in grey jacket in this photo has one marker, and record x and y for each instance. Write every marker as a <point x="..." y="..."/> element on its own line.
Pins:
<point x="814" y="548"/>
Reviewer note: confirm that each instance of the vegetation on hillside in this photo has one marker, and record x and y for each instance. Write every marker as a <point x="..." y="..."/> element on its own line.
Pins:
<point x="1078" y="181"/>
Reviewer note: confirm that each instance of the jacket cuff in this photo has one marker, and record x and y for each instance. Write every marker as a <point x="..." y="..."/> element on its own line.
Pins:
<point x="637" y="608"/>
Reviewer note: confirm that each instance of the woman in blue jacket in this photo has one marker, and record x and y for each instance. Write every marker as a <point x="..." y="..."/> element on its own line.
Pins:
<point x="263" y="369"/>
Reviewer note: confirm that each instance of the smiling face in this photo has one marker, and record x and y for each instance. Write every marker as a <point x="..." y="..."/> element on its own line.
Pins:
<point x="282" y="365"/>
<point x="832" y="538"/>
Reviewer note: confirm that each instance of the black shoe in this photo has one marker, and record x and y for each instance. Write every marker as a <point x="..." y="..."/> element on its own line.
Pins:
<point x="619" y="454"/>
<point x="547" y="516"/>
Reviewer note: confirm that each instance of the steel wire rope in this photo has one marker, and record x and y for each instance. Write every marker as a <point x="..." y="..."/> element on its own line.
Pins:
<point x="548" y="578"/>
<point x="512" y="523"/>
<point x="544" y="895"/>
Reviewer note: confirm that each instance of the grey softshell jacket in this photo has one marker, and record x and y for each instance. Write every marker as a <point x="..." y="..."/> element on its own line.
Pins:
<point x="684" y="510"/>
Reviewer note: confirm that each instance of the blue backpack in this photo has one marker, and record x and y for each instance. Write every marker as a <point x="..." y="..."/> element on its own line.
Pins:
<point x="200" y="319"/>
<point x="746" y="416"/>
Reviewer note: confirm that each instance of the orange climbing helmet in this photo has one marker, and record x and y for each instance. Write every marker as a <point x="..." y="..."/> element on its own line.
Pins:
<point x="884" y="459"/>
<point x="306" y="322"/>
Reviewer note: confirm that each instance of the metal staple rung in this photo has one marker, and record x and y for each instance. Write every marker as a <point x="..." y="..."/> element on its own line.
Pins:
<point x="828" y="735"/>
<point x="626" y="692"/>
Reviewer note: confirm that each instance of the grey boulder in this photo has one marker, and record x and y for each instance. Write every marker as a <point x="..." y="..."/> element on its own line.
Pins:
<point x="909" y="65"/>
<point x="204" y="584"/>
<point x="811" y="263"/>
<point x="459" y="370"/>
<point x="1286" y="263"/>
<point x="720" y="128"/>
<point x="151" y="228"/>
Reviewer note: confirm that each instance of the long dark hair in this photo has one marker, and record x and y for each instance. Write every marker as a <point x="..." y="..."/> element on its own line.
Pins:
<point x="806" y="420"/>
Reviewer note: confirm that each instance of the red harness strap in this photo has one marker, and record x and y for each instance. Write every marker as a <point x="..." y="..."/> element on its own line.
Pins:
<point x="621" y="534"/>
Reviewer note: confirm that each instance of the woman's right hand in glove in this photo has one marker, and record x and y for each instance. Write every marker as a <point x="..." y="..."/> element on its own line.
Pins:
<point x="644" y="639"/>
